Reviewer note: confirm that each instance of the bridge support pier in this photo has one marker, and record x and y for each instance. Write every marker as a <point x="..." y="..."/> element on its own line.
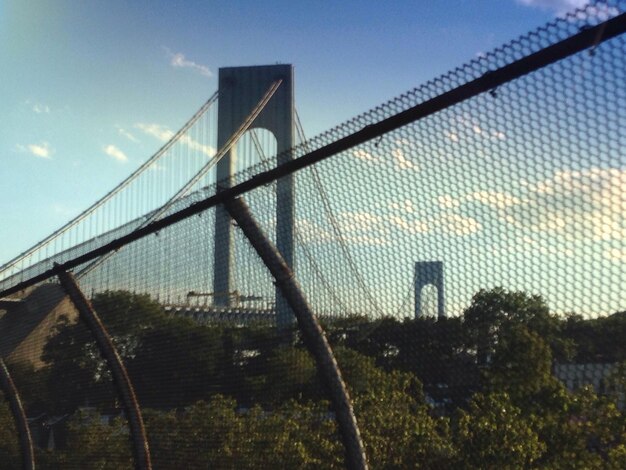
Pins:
<point x="240" y="89"/>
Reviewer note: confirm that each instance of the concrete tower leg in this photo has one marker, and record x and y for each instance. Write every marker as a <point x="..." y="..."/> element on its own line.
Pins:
<point x="240" y="90"/>
<point x="426" y="273"/>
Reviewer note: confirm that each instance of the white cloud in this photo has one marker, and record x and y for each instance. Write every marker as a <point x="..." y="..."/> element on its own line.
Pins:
<point x="448" y="201"/>
<point x="499" y="200"/>
<point x="616" y="254"/>
<point x="41" y="108"/>
<point x="405" y="206"/>
<point x="123" y="132"/>
<point x="410" y="226"/>
<point x="577" y="205"/>
<point x="156" y="167"/>
<point x="364" y="228"/>
<point x="363" y="155"/>
<point x="116" y="153"/>
<point x="456" y="224"/>
<point x="452" y="136"/>
<point x="311" y="232"/>
<point x="195" y="145"/>
<point x="600" y="12"/>
<point x="164" y="134"/>
<point x="464" y="126"/>
<point x="401" y="162"/>
<point x="494" y="199"/>
<point x="559" y="7"/>
<point x="180" y="61"/>
<point x="42" y="150"/>
<point x="589" y="204"/>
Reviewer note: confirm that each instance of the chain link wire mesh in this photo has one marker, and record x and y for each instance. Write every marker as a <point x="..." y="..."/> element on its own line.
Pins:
<point x="467" y="268"/>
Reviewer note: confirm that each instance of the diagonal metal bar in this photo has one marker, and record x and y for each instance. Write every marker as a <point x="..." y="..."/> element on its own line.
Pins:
<point x="121" y="379"/>
<point x="561" y="50"/>
<point x="13" y="397"/>
<point x="314" y="336"/>
<point x="307" y="253"/>
<point x="230" y="143"/>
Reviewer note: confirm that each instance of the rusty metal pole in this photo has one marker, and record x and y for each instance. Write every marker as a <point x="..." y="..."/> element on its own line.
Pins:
<point x="13" y="397"/>
<point x="313" y="334"/>
<point x="122" y="382"/>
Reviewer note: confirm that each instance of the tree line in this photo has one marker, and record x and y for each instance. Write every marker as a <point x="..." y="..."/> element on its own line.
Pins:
<point x="475" y="391"/>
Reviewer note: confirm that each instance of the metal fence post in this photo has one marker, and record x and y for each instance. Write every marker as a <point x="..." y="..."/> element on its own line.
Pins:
<point x="122" y="382"/>
<point x="13" y="397"/>
<point x="314" y="336"/>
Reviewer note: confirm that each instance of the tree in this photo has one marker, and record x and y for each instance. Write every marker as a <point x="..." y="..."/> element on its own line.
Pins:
<point x="397" y="429"/>
<point x="521" y="367"/>
<point x="9" y="446"/>
<point x="174" y="364"/>
<point x="77" y="374"/>
<point x="216" y="434"/>
<point x="171" y="361"/>
<point x="493" y="434"/>
<point x="93" y="444"/>
<point x="588" y="433"/>
<point x="493" y="311"/>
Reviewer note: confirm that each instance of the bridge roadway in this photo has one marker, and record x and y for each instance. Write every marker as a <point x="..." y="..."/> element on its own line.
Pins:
<point x="207" y="314"/>
<point x="210" y="314"/>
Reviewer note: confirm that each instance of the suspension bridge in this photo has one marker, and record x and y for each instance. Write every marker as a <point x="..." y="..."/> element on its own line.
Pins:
<point x="248" y="125"/>
<point x="508" y="171"/>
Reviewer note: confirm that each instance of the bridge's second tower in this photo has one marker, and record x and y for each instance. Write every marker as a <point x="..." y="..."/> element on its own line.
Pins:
<point x="240" y="90"/>
<point x="429" y="273"/>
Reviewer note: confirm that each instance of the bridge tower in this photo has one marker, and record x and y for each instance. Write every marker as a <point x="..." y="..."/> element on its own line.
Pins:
<point x="240" y="90"/>
<point x="429" y="273"/>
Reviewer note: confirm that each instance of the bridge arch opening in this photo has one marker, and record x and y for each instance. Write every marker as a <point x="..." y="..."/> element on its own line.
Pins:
<point x="428" y="305"/>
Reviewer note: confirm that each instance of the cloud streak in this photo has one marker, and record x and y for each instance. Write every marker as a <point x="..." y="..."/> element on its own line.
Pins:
<point x="559" y="7"/>
<point x="41" y="108"/>
<point x="42" y="150"/>
<point x="124" y="133"/>
<point x="577" y="204"/>
<point x="115" y="153"/>
<point x="164" y="134"/>
<point x="36" y="107"/>
<point x="178" y="60"/>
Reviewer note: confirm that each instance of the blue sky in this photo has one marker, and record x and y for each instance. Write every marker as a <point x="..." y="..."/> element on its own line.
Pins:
<point x="82" y="79"/>
<point x="76" y="75"/>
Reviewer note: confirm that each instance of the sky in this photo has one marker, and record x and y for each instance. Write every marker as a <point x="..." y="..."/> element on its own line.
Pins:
<point x="82" y="82"/>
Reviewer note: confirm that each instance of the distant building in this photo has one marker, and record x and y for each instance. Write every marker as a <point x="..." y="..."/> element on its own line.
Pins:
<point x="28" y="319"/>
<point x="598" y="376"/>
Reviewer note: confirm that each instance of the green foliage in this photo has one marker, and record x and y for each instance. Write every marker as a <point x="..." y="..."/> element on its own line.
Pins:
<point x="174" y="364"/>
<point x="218" y="435"/>
<point x="597" y="339"/>
<point x="93" y="444"/>
<point x="521" y="367"/>
<point x="493" y="434"/>
<point x="9" y="446"/>
<point x="470" y="392"/>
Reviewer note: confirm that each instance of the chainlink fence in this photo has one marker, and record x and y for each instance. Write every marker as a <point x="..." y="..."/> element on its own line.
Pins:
<point x="461" y="260"/>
